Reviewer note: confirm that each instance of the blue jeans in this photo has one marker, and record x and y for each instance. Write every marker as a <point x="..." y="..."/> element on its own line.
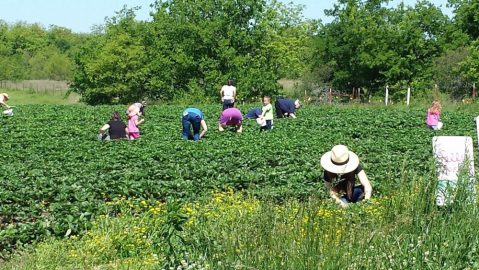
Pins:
<point x="358" y="195"/>
<point x="191" y="119"/>
<point x="228" y="103"/>
<point x="269" y="125"/>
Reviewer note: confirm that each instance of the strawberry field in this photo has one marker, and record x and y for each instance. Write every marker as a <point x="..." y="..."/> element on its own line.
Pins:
<point x="55" y="177"/>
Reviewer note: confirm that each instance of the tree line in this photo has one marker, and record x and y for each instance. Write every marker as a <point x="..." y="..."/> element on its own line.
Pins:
<point x="187" y="50"/>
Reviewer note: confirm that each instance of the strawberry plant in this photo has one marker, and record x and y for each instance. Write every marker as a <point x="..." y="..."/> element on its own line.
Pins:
<point x="55" y="176"/>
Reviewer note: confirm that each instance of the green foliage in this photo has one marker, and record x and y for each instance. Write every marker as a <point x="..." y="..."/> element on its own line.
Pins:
<point x="369" y="45"/>
<point x="57" y="176"/>
<point x="29" y="51"/>
<point x="186" y="48"/>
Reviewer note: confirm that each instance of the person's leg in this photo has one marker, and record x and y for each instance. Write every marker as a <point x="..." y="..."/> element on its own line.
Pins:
<point x="279" y="112"/>
<point x="196" y="128"/>
<point x="186" y="127"/>
<point x="269" y="124"/>
<point x="358" y="194"/>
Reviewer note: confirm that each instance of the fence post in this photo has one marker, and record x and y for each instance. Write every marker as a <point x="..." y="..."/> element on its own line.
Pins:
<point x="408" y="98"/>
<point x="330" y="96"/>
<point x="386" y="96"/>
<point x="474" y="93"/>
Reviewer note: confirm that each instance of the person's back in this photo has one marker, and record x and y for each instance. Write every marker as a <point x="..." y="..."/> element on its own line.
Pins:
<point x="117" y="129"/>
<point x="228" y="92"/>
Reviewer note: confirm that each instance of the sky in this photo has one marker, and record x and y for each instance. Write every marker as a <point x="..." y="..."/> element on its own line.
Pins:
<point x="81" y="15"/>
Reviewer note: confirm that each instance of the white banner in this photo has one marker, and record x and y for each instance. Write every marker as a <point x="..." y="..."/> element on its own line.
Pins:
<point x="451" y="153"/>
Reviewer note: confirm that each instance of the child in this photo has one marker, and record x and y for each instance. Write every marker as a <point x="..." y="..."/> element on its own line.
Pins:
<point x="434" y="116"/>
<point x="266" y="117"/>
<point x="133" y="130"/>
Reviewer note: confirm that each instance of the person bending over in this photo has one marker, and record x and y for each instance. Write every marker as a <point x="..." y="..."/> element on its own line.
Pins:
<point x="286" y="107"/>
<point x="193" y="117"/>
<point x="231" y="117"/>
<point x="341" y="167"/>
<point x="115" y="129"/>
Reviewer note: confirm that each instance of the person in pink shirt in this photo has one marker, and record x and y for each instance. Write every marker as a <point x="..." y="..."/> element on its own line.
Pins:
<point x="133" y="130"/>
<point x="433" y="119"/>
<point x="231" y="117"/>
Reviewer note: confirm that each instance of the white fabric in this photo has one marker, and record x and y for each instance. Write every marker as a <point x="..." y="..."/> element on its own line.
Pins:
<point x="228" y="91"/>
<point x="8" y="112"/>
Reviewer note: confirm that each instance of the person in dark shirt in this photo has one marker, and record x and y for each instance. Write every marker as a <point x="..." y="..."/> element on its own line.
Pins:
<point x="341" y="167"/>
<point x="116" y="129"/>
<point x="286" y="107"/>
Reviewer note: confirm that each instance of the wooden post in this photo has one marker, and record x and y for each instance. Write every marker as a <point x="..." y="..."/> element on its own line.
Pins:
<point x="474" y="93"/>
<point x="330" y="96"/>
<point x="359" y="93"/>
<point x="354" y="92"/>
<point x="386" y="96"/>
<point x="408" y="98"/>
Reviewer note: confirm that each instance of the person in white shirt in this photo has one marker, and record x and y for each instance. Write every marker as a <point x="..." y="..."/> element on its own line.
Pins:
<point x="228" y="95"/>
<point x="3" y="100"/>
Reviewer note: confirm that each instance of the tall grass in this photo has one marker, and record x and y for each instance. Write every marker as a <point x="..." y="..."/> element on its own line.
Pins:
<point x="402" y="229"/>
<point x="25" y="97"/>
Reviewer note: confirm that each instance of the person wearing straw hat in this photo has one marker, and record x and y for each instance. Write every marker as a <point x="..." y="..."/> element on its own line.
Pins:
<point x="3" y="100"/>
<point x="341" y="167"/>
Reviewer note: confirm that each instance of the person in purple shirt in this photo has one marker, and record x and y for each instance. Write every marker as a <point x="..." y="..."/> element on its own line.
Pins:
<point x="231" y="117"/>
<point x="286" y="107"/>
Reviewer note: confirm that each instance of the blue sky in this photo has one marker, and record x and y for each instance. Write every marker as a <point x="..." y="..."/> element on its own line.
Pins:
<point x="81" y="15"/>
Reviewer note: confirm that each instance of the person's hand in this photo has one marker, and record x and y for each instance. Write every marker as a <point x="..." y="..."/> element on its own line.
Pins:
<point x="343" y="204"/>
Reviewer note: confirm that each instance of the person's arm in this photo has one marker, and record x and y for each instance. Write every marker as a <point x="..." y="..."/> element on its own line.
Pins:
<point x="292" y="115"/>
<point x="139" y="122"/>
<point x="104" y="128"/>
<point x="240" y="128"/>
<point x="222" y="93"/>
<point x="205" y="128"/>
<point x="334" y="195"/>
<point x="4" y="104"/>
<point x="368" y="189"/>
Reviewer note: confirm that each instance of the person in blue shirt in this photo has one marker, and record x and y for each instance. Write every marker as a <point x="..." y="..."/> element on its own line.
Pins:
<point x="193" y="117"/>
<point x="254" y="113"/>
<point x="286" y="107"/>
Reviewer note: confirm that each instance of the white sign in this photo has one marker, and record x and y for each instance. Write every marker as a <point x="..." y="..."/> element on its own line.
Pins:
<point x="453" y="154"/>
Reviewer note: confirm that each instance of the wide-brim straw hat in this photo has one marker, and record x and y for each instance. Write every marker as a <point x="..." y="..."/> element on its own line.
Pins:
<point x="339" y="160"/>
<point x="5" y="95"/>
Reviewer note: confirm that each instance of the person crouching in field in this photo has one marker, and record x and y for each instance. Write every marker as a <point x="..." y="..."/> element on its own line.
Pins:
<point x="286" y="107"/>
<point x="137" y="108"/>
<point x="341" y="167"/>
<point x="434" y="116"/>
<point x="116" y="129"/>
<point x="254" y="113"/>
<point x="3" y="100"/>
<point x="266" y="118"/>
<point x="195" y="118"/>
<point x="133" y="122"/>
<point x="231" y="117"/>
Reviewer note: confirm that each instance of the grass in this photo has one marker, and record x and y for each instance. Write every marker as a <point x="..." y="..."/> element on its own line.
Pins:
<point x="401" y="230"/>
<point x="26" y="97"/>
